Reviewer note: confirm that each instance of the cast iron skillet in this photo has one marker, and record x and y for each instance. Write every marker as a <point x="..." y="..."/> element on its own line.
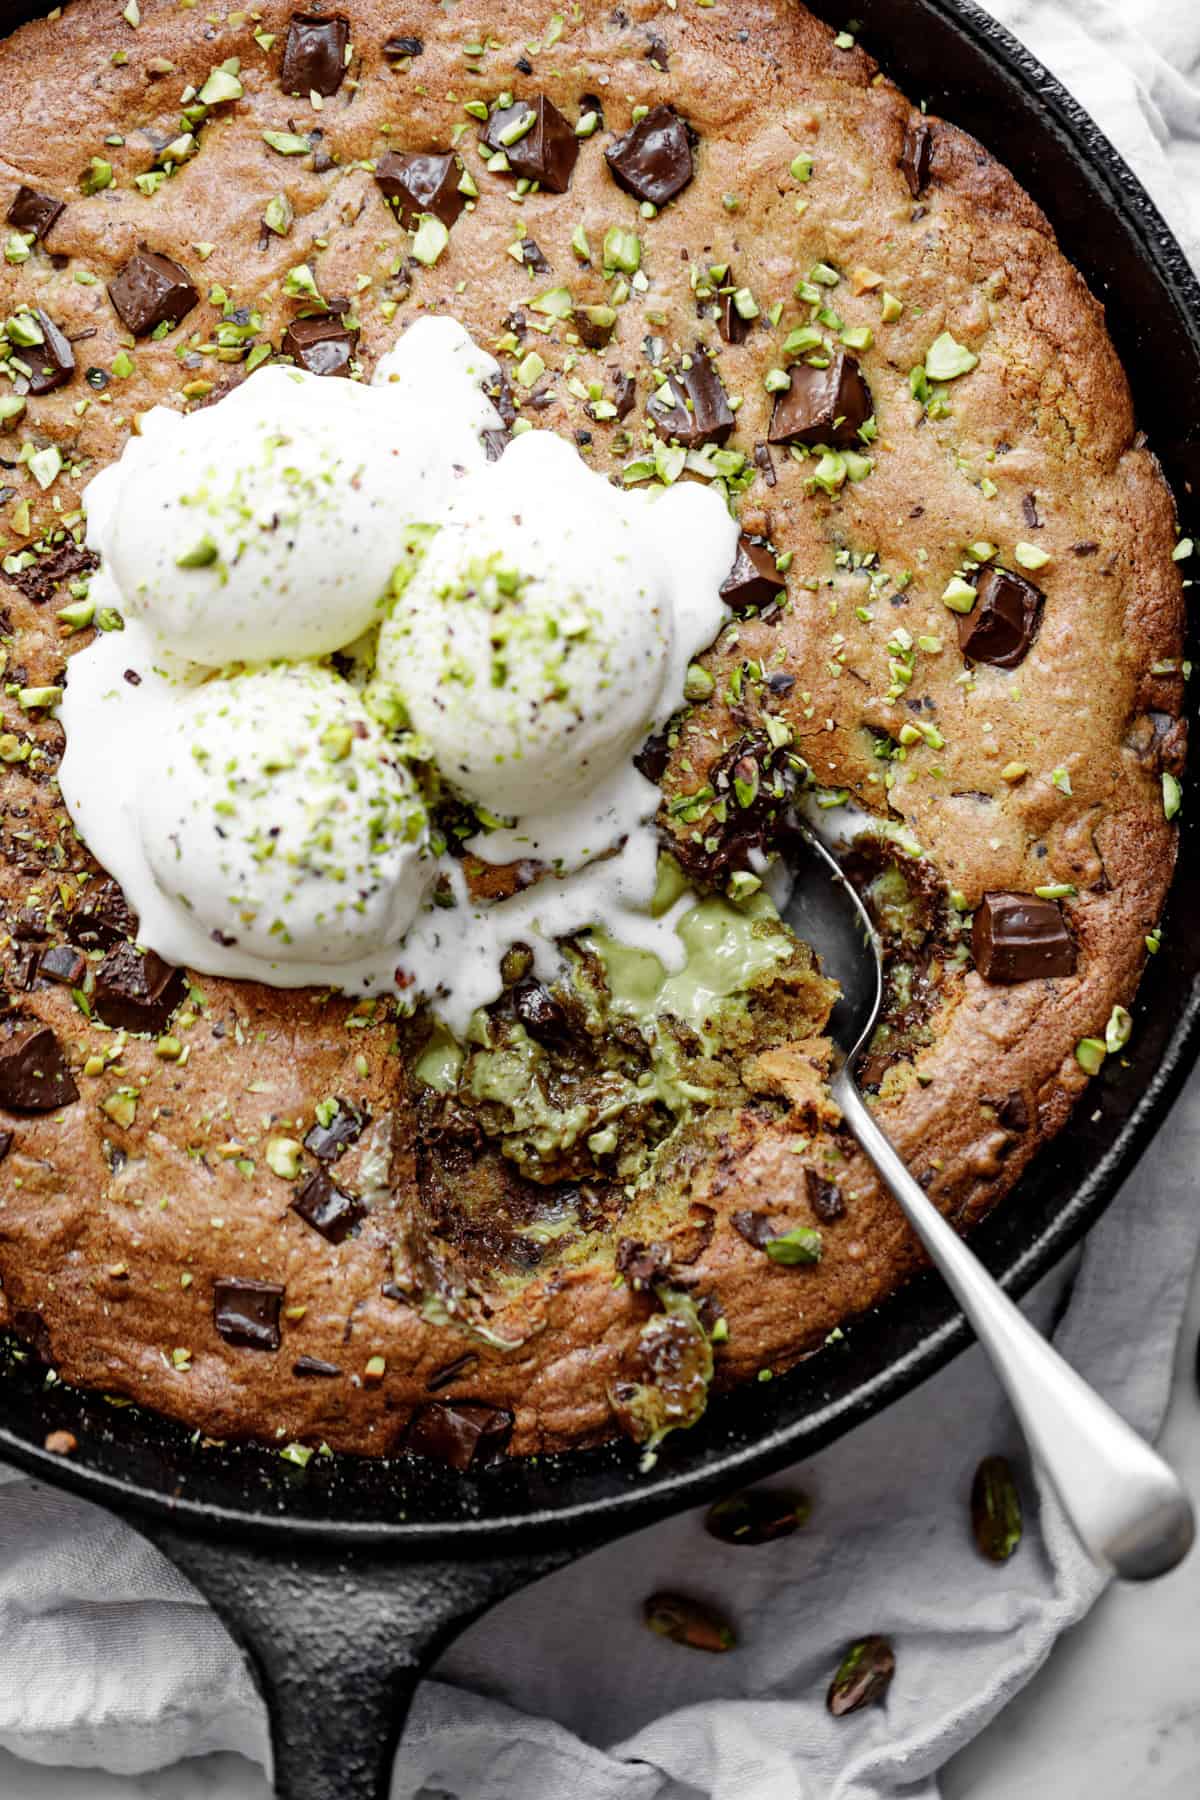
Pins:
<point x="344" y="1581"/>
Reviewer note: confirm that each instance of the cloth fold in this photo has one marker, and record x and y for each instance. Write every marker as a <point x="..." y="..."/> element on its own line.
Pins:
<point x="109" y="1659"/>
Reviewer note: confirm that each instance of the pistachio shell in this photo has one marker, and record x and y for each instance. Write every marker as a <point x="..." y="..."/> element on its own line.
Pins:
<point x="863" y="1678"/>
<point x="688" y="1622"/>
<point x="995" y="1509"/>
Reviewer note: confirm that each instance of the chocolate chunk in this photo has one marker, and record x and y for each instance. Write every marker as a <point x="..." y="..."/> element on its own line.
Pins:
<point x="1001" y="626"/>
<point x="40" y="579"/>
<point x="6" y="1143"/>
<point x="31" y="211"/>
<point x="33" y="1329"/>
<point x="764" y="464"/>
<point x="151" y="290"/>
<point x="545" y="153"/>
<point x="30" y="923"/>
<point x="136" y="990"/>
<point x="247" y="1312"/>
<point x="51" y="363"/>
<point x="1013" y="1111"/>
<point x="24" y="968"/>
<point x="539" y="1012"/>
<point x="450" y="1372"/>
<point x="34" y="1076"/>
<point x="757" y="1228"/>
<point x="495" y="443"/>
<point x="415" y="182"/>
<point x="653" y="160"/>
<point x="331" y="1213"/>
<point x="103" y="915"/>
<point x="916" y="156"/>
<point x="730" y="323"/>
<point x="464" y="1434"/>
<point x="757" y="782"/>
<point x="323" y="346"/>
<point x="692" y="407"/>
<point x="825" y="1197"/>
<point x="780" y="682"/>
<point x="642" y="1265"/>
<point x="754" y="582"/>
<point x="404" y="46"/>
<point x="533" y="257"/>
<point x="314" y="54"/>
<point x="653" y="757"/>
<point x="822" y="406"/>
<point x="345" y="1128"/>
<point x="62" y="962"/>
<point x="312" y="1365"/>
<point x="1030" y="511"/>
<point x="624" y="395"/>
<point x="1017" y="937"/>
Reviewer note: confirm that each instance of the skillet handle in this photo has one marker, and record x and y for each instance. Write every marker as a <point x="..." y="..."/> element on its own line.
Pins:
<point x="338" y="1642"/>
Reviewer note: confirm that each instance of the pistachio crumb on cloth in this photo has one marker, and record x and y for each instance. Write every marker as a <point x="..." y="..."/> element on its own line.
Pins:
<point x="108" y="1659"/>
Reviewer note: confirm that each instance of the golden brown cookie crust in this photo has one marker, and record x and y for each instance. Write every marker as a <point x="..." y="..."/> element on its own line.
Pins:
<point x="114" y="1235"/>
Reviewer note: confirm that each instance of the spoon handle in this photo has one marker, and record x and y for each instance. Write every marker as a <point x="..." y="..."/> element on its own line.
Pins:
<point x="1129" y="1510"/>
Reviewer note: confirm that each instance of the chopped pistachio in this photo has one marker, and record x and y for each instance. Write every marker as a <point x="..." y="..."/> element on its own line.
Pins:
<point x="530" y="369"/>
<point x="947" y="359"/>
<point x="220" y="87"/>
<point x="97" y="176"/>
<point x="1119" y="1030"/>
<point x="279" y="215"/>
<point x="1029" y="556"/>
<point x="959" y="595"/>
<point x="200" y="556"/>
<point x="1172" y="794"/>
<point x="46" y="465"/>
<point x="800" y="1245"/>
<point x="622" y="249"/>
<point x="890" y="308"/>
<point x="429" y="240"/>
<point x="283" y="1157"/>
<point x="36" y="699"/>
<point x="287" y="143"/>
<point x="1089" y="1054"/>
<point x="586" y="124"/>
<point x="698" y="683"/>
<point x="802" y="167"/>
<point x="580" y="245"/>
<point x="1056" y="890"/>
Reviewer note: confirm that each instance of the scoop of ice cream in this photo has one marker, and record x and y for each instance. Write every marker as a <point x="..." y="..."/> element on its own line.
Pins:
<point x="279" y="816"/>
<point x="268" y="526"/>
<point x="533" y="641"/>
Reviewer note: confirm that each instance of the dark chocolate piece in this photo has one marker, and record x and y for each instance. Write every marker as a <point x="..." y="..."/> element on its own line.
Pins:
<point x="465" y="1434"/>
<point x="765" y="465"/>
<point x="31" y="211"/>
<point x="103" y="915"/>
<point x="40" y="579"/>
<point x="331" y="1213"/>
<point x="653" y="757"/>
<point x="653" y="160"/>
<point x="6" y="1143"/>
<point x="404" y="46"/>
<point x="63" y="962"/>
<point x="1017" y="937"/>
<point x="51" y="363"/>
<point x="624" y="394"/>
<point x="539" y="1012"/>
<point x="1013" y="1111"/>
<point x="822" y="406"/>
<point x="414" y="182"/>
<point x="450" y="1372"/>
<point x="323" y="346"/>
<point x="136" y="990"/>
<point x="247" y="1312"/>
<point x="642" y="1265"/>
<point x="345" y="1128"/>
<point x="312" y="1365"/>
<point x="151" y="290"/>
<point x="495" y="443"/>
<point x="314" y="54"/>
<point x="754" y="582"/>
<point x="34" y="1076"/>
<point x="546" y="153"/>
<point x="757" y="1228"/>
<point x="916" y="156"/>
<point x="534" y="257"/>
<point x="692" y="407"/>
<point x="825" y="1197"/>
<point x="1001" y="626"/>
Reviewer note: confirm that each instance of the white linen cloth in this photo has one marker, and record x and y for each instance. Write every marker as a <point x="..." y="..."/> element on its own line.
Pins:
<point x="108" y="1659"/>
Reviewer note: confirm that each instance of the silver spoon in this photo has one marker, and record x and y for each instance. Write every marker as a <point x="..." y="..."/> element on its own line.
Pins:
<point x="1128" y="1509"/>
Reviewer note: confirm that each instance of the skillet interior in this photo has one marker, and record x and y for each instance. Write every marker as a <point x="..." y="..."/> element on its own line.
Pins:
<point x="967" y="68"/>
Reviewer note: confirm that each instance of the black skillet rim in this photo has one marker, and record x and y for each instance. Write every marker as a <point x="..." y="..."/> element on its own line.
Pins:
<point x="684" y="1477"/>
